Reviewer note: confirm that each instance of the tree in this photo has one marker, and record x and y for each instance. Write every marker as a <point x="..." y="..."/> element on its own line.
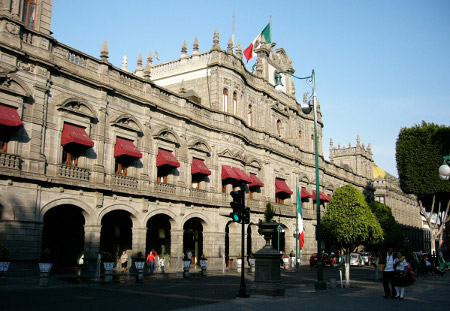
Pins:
<point x="392" y="234"/>
<point x="349" y="222"/>
<point x="419" y="153"/>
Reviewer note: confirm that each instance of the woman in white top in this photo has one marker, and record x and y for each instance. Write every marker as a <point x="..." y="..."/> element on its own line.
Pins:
<point x="400" y="265"/>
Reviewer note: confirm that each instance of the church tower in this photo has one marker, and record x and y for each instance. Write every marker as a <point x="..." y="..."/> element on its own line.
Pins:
<point x="357" y="159"/>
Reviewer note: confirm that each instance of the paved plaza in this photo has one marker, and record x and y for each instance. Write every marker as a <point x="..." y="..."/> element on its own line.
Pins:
<point x="217" y="292"/>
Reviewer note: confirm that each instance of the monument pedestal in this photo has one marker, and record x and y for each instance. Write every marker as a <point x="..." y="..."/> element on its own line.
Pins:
<point x="267" y="261"/>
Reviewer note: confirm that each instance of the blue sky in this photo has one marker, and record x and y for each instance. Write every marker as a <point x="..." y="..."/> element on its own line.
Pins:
<point x="380" y="65"/>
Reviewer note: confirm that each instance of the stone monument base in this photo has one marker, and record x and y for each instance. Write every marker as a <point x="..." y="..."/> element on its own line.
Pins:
<point x="267" y="274"/>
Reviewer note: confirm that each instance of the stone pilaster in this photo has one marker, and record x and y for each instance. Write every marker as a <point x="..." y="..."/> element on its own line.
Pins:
<point x="91" y="247"/>
<point x="139" y="239"/>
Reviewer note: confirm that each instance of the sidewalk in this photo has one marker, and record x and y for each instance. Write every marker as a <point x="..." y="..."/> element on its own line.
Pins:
<point x="217" y="292"/>
<point x="427" y="293"/>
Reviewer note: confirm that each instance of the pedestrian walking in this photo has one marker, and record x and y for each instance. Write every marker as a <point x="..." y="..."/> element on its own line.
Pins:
<point x="150" y="261"/>
<point x="400" y="265"/>
<point x="162" y="264"/>
<point x="156" y="261"/>
<point x="124" y="261"/>
<point x="387" y="267"/>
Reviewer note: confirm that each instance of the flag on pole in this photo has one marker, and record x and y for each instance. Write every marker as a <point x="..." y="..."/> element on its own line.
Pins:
<point x="301" y="234"/>
<point x="250" y="51"/>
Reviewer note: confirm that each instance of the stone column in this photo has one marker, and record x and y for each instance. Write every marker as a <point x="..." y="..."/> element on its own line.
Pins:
<point x="139" y="240"/>
<point x="176" y="247"/>
<point x="91" y="247"/>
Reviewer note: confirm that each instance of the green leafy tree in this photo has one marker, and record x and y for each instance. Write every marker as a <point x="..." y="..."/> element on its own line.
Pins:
<point x="419" y="153"/>
<point x="393" y="235"/>
<point x="349" y="222"/>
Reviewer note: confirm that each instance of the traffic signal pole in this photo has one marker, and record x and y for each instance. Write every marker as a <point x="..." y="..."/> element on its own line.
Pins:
<point x="243" y="292"/>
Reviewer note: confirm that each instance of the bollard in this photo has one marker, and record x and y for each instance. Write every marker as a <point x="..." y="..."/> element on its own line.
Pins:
<point x="332" y="283"/>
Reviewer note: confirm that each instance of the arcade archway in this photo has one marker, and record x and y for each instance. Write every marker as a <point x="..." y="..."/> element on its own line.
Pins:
<point x="193" y="238"/>
<point x="158" y="235"/>
<point x="116" y="235"/>
<point x="63" y="235"/>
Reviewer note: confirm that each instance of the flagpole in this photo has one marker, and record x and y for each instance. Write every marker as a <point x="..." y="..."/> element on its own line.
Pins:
<point x="271" y="31"/>
<point x="233" y="30"/>
<point x="296" y="225"/>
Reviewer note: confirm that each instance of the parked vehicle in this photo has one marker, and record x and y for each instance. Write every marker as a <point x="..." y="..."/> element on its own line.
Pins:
<point x="356" y="260"/>
<point x="367" y="258"/>
<point x="326" y="260"/>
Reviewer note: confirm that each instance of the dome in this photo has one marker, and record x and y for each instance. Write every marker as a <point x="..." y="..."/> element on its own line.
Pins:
<point x="378" y="172"/>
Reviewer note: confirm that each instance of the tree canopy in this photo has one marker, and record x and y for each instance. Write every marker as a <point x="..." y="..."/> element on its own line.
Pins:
<point x="393" y="235"/>
<point x="349" y="221"/>
<point x="419" y="153"/>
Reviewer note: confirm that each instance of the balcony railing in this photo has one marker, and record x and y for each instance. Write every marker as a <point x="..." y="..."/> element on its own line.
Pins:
<point x="124" y="181"/>
<point x="9" y="160"/>
<point x="197" y="193"/>
<point x="164" y="188"/>
<point x="73" y="172"/>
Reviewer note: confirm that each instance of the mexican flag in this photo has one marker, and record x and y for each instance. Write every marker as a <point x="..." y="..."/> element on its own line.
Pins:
<point x="249" y="52"/>
<point x="301" y="233"/>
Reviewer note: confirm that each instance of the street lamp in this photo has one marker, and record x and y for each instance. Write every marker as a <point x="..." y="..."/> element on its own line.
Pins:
<point x="279" y="230"/>
<point x="306" y="108"/>
<point x="444" y="169"/>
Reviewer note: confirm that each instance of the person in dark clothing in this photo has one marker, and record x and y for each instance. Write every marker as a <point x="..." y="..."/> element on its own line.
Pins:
<point x="387" y="267"/>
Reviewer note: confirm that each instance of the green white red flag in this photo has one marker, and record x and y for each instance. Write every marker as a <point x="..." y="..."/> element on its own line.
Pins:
<point x="301" y="233"/>
<point x="250" y="51"/>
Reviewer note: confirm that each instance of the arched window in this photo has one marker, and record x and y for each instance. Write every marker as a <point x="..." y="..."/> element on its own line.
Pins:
<point x="234" y="103"/>
<point x="225" y="100"/>
<point x="279" y="128"/>
<point x="250" y="115"/>
<point x="29" y="12"/>
<point x="300" y="138"/>
<point x="312" y="142"/>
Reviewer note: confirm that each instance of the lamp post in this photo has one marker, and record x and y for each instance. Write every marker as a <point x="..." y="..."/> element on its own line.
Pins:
<point x="444" y="169"/>
<point x="306" y="108"/>
<point x="279" y="230"/>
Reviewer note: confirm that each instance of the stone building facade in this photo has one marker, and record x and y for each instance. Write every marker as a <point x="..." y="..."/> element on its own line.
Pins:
<point x="97" y="158"/>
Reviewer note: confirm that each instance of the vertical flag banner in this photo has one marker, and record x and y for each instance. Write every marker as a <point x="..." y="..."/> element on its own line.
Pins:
<point x="301" y="234"/>
<point x="250" y="51"/>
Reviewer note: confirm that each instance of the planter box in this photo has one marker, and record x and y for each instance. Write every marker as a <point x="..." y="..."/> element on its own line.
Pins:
<point x="139" y="265"/>
<point x="45" y="267"/>
<point x="4" y="266"/>
<point x="108" y="266"/>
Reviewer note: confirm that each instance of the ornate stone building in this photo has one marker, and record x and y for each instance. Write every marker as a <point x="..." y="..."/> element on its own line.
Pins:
<point x="97" y="158"/>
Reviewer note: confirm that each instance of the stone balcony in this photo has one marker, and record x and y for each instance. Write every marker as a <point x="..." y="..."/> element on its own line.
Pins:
<point x="73" y="172"/>
<point x="198" y="193"/>
<point x="11" y="161"/>
<point x="124" y="181"/>
<point x="165" y="188"/>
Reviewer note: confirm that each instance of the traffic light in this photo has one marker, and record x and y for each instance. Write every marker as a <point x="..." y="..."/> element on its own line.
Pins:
<point x="246" y="215"/>
<point x="237" y="205"/>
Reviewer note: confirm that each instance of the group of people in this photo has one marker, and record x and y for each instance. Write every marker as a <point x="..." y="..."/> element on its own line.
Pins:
<point x="155" y="264"/>
<point x="397" y="273"/>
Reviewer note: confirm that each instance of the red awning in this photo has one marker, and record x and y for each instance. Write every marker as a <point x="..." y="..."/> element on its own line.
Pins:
<point x="305" y="194"/>
<point x="256" y="182"/>
<point x="75" y="134"/>
<point x="281" y="186"/>
<point x="126" y="147"/>
<point x="166" y="157"/>
<point x="323" y="197"/>
<point x="9" y="116"/>
<point x="199" y="167"/>
<point x="228" y="172"/>
<point x="242" y="175"/>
